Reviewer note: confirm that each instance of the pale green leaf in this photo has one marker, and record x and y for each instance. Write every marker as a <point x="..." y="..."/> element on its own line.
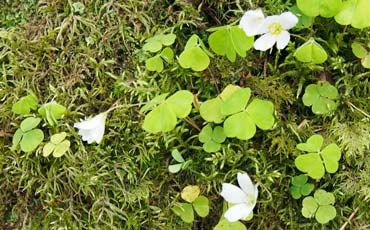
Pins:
<point x="218" y="134"/>
<point x="206" y="134"/>
<point x="311" y="164"/>
<point x="167" y="55"/>
<point x="153" y="46"/>
<point x="211" y="110"/>
<point x="366" y="61"/>
<point x="311" y="51"/>
<point x="240" y="125"/>
<point x="236" y="102"/>
<point x="325" y="213"/>
<point x="181" y="103"/>
<point x="194" y="58"/>
<point x="325" y="8"/>
<point x="175" y="168"/>
<point x="226" y="225"/>
<point x="160" y="119"/>
<point x="154" y="64"/>
<point x="331" y="155"/>
<point x="201" y="206"/>
<point x="30" y="123"/>
<point x="262" y="113"/>
<point x="17" y="138"/>
<point x="57" y="138"/>
<point x="312" y="145"/>
<point x="211" y="146"/>
<point x="48" y="149"/>
<point x="31" y="140"/>
<point x="184" y="211"/>
<point x="354" y="12"/>
<point x="61" y="148"/>
<point x="309" y="207"/>
<point x="358" y="50"/>
<point x="190" y="193"/>
<point x="177" y="156"/>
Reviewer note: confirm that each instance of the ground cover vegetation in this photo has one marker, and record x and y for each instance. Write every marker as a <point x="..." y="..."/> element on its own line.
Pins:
<point x="184" y="114"/>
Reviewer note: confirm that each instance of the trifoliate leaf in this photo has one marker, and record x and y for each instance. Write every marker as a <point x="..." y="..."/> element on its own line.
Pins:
<point x="309" y="207"/>
<point x="25" y="104"/>
<point x="229" y="41"/>
<point x="311" y="51"/>
<point x="358" y="50"/>
<point x="312" y="145"/>
<point x="325" y="8"/>
<point x="354" y="12"/>
<point x="311" y="164"/>
<point x="52" y="111"/>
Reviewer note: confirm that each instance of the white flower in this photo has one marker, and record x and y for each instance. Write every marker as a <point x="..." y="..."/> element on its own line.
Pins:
<point x="92" y="129"/>
<point x="251" y="21"/>
<point x="274" y="30"/>
<point x="243" y="199"/>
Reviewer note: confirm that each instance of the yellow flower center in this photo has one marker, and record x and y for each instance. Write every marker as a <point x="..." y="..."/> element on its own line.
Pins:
<point x="275" y="28"/>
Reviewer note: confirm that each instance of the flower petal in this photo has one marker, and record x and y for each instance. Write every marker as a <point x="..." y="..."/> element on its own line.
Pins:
<point x="237" y="212"/>
<point x="251" y="21"/>
<point x="246" y="183"/>
<point x="288" y="20"/>
<point x="233" y="194"/>
<point x="264" y="28"/>
<point x="92" y="122"/>
<point x="265" y="42"/>
<point x="282" y="39"/>
<point x="99" y="133"/>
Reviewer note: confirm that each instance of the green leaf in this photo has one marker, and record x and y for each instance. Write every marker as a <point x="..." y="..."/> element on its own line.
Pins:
<point x="325" y="213"/>
<point x="218" y="134"/>
<point x="296" y="192"/>
<point x="226" y="225"/>
<point x="194" y="58"/>
<point x="177" y="156"/>
<point x="175" y="168"/>
<point x="201" y="206"/>
<point x="57" y="138"/>
<point x="366" y="61"/>
<point x="190" y="193"/>
<point x="358" y="50"/>
<point x="236" y="102"/>
<point x="229" y="41"/>
<point x="167" y="55"/>
<point x="320" y="97"/>
<point x="211" y="110"/>
<point x="160" y="119"/>
<point x="262" y="113"/>
<point x="228" y="91"/>
<point x="154" y="64"/>
<point x="206" y="134"/>
<point x="304" y="20"/>
<point x="311" y="51"/>
<point x="48" y="149"/>
<point x="311" y="164"/>
<point x="184" y="211"/>
<point x="211" y="146"/>
<point x="299" y="180"/>
<point x="354" y="12"/>
<point x="167" y="39"/>
<point x="312" y="145"/>
<point x="61" y="148"/>
<point x="309" y="207"/>
<point x="331" y="155"/>
<point x="240" y="125"/>
<point x="154" y="102"/>
<point x="17" y="138"/>
<point x="181" y="103"/>
<point x="30" y="123"/>
<point x="31" y="140"/>
<point x="152" y="46"/>
<point x="52" y="111"/>
<point x="307" y="189"/>
<point x="323" y="197"/>
<point x="25" y="105"/>
<point x="325" y="8"/>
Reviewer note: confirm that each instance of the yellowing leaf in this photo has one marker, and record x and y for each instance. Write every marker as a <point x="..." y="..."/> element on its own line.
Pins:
<point x="190" y="193"/>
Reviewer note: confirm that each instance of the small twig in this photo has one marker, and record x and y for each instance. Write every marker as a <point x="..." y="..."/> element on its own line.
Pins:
<point x="349" y="219"/>
<point x="358" y="109"/>
<point x="192" y="123"/>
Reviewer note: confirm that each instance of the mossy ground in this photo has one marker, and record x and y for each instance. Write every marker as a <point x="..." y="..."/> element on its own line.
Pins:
<point x="88" y="61"/>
